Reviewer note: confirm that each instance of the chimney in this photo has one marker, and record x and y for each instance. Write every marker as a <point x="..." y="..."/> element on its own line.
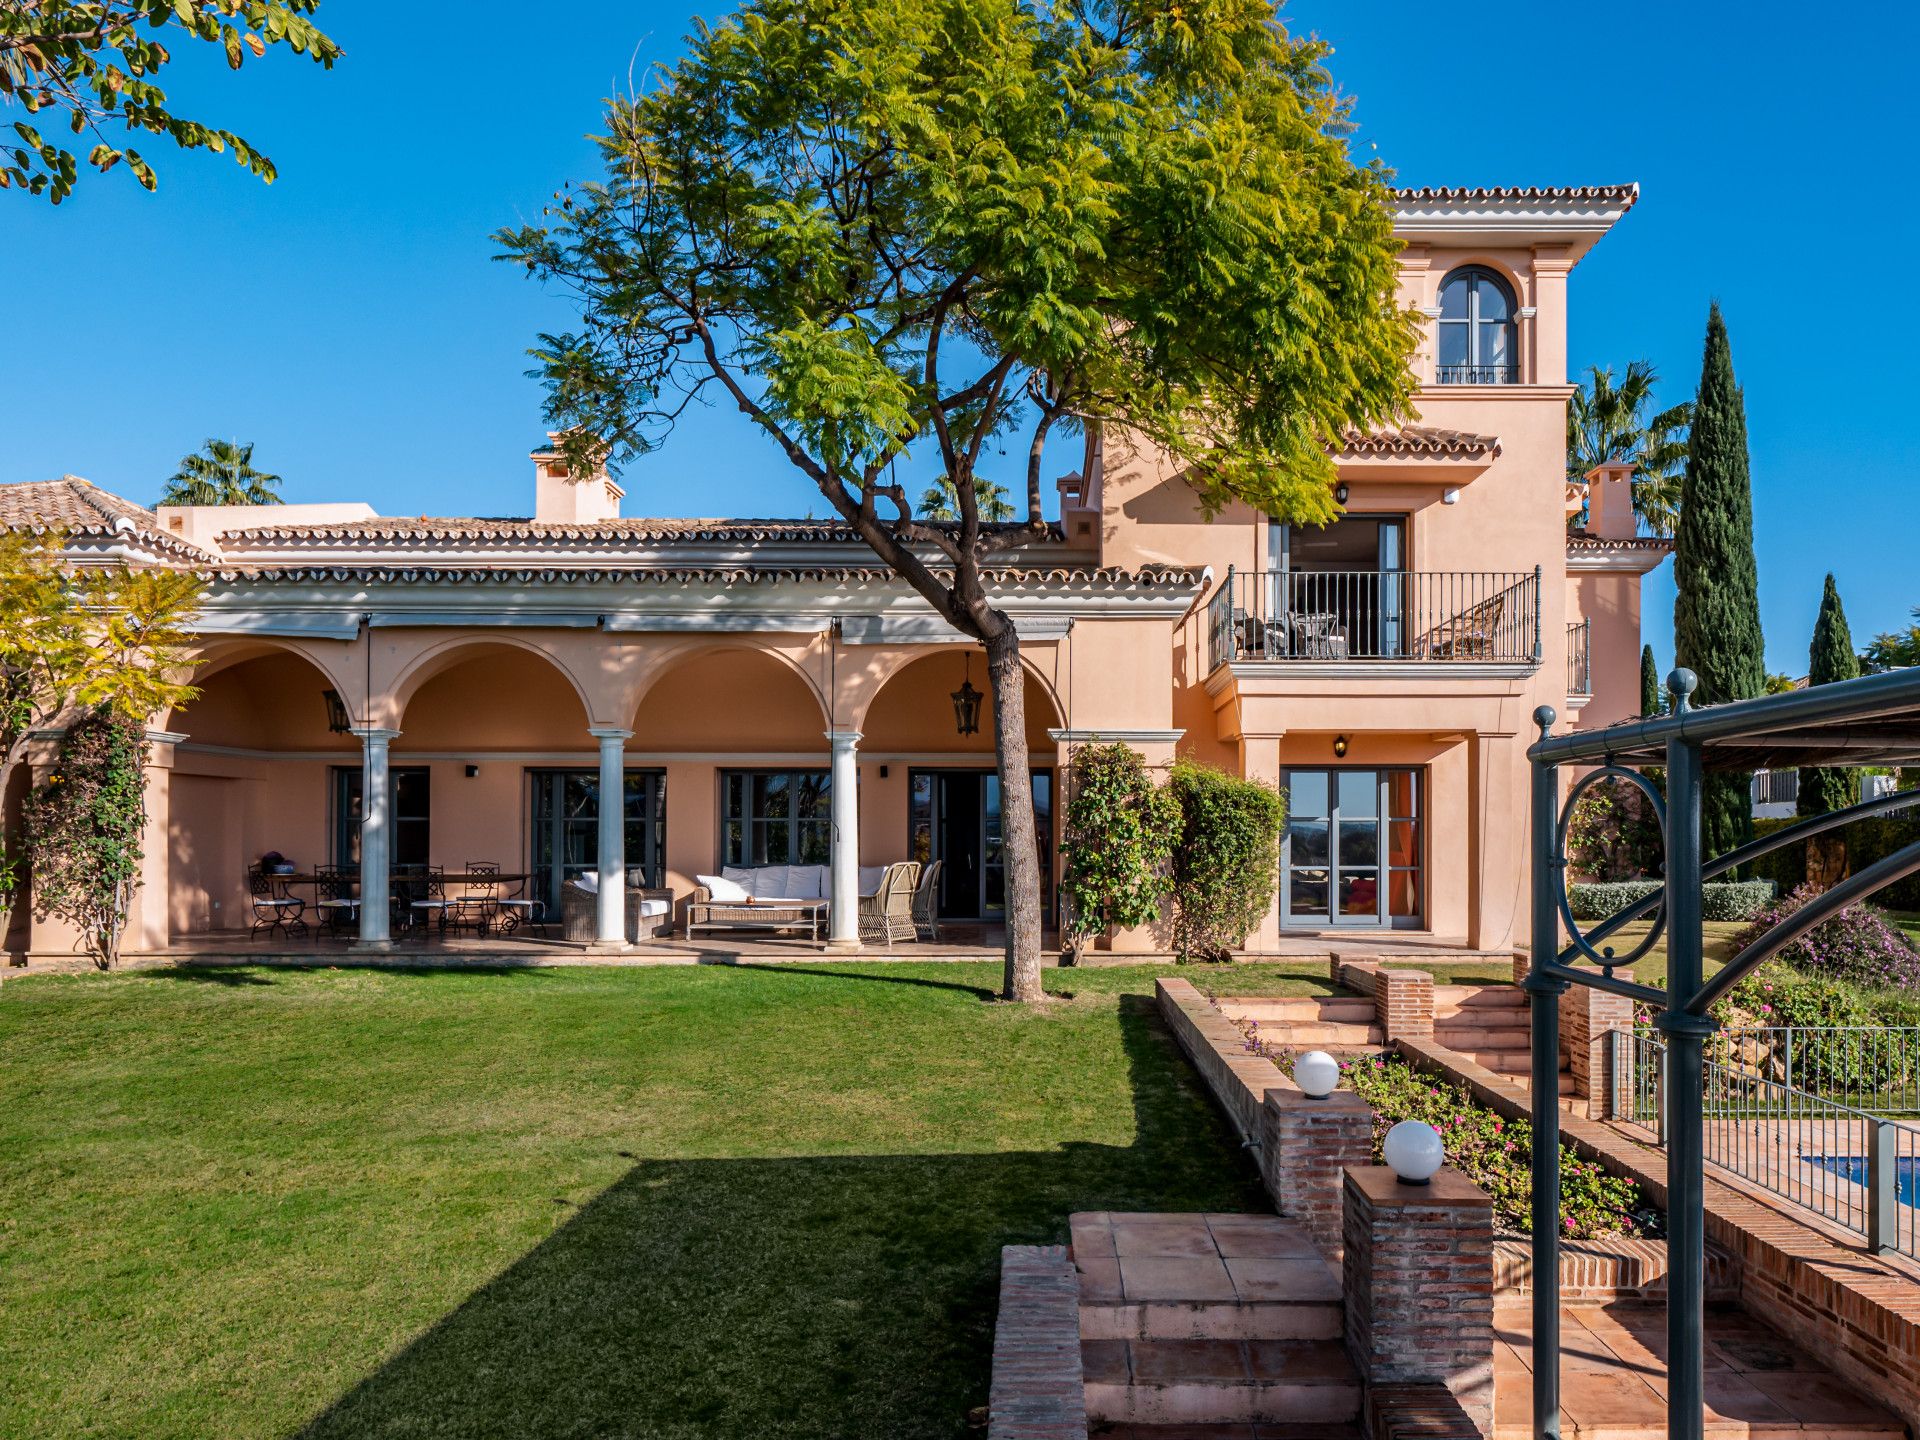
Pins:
<point x="562" y="496"/>
<point x="1610" y="501"/>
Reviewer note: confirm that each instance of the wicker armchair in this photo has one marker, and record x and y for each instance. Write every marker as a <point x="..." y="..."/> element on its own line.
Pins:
<point x="580" y="908"/>
<point x="887" y="914"/>
<point x="926" y="903"/>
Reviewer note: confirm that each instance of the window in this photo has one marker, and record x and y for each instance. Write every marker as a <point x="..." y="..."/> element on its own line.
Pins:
<point x="1479" y="342"/>
<point x="566" y="827"/>
<point x="410" y="790"/>
<point x="775" y="817"/>
<point x="1352" y="852"/>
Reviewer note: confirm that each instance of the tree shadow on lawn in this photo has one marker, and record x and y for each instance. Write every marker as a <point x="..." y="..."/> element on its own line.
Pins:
<point x="984" y="992"/>
<point x="815" y="1296"/>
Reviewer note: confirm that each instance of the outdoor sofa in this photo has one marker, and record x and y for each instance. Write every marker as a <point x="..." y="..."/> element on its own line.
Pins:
<point x="649" y="911"/>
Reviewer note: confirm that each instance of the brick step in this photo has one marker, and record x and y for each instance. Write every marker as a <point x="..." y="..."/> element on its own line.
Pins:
<point x="1451" y="1000"/>
<point x="1295" y="1009"/>
<point x="1211" y="1320"/>
<point x="1213" y="1382"/>
<point x="1322" y="1036"/>
<point x="1464" y="1035"/>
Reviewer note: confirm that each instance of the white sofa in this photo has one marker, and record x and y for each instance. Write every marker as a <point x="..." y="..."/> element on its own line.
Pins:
<point x="796" y="882"/>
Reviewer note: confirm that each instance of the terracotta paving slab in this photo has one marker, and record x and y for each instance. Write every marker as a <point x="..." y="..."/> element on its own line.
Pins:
<point x="1613" y="1380"/>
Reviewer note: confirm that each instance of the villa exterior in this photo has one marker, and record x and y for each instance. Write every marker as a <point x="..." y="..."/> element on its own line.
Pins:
<point x="386" y="691"/>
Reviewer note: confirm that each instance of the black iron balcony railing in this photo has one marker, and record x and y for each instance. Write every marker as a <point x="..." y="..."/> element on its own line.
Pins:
<point x="1580" y="658"/>
<point x="1476" y="375"/>
<point x="1446" y="616"/>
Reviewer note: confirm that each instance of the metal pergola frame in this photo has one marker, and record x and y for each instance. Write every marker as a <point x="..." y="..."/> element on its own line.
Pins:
<point x="1871" y="721"/>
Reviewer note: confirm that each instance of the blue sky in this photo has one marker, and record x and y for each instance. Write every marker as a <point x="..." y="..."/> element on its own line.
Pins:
<point x="349" y="321"/>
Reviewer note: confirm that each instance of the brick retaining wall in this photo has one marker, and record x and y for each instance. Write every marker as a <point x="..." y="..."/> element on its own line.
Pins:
<point x="1039" y="1391"/>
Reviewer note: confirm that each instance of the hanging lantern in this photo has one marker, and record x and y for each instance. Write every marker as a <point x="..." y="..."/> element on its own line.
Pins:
<point x="337" y="719"/>
<point x="966" y="702"/>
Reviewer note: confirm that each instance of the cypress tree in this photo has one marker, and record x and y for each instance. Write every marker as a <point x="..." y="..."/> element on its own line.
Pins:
<point x="1826" y="789"/>
<point x="1716" y="613"/>
<point x="1651" y="701"/>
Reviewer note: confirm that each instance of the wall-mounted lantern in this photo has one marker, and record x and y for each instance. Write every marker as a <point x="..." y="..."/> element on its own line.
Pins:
<point x="1340" y="747"/>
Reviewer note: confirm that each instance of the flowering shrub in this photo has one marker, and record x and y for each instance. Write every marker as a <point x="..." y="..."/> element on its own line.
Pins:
<point x="1839" y="1050"/>
<point x="1494" y="1152"/>
<point x="1857" y="945"/>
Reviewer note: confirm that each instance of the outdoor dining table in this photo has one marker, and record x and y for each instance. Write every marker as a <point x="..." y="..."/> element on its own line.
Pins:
<point x="399" y="879"/>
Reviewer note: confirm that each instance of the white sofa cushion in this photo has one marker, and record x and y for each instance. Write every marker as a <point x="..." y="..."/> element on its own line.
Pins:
<point x="588" y="881"/>
<point x="654" y="907"/>
<point x="725" y="889"/>
<point x="870" y="878"/>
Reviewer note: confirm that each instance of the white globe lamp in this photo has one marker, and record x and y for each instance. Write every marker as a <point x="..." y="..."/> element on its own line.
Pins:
<point x="1413" y="1152"/>
<point x="1317" y="1073"/>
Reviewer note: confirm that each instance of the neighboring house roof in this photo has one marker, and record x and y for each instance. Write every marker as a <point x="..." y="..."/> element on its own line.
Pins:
<point x="86" y="513"/>
<point x="1634" y="554"/>
<point x="509" y="530"/>
<point x="1418" y="440"/>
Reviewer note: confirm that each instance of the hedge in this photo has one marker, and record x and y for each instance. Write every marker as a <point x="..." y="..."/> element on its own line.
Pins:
<point x="1719" y="899"/>
<point x="1867" y="841"/>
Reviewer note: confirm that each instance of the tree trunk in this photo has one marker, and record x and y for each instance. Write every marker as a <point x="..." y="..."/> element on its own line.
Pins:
<point x="1019" y="842"/>
<point x="1826" y="860"/>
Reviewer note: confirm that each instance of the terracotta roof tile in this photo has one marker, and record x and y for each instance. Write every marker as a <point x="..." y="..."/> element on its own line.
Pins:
<point x="82" y="508"/>
<point x="1603" y="193"/>
<point x="1413" y="440"/>
<point x="1077" y="577"/>
<point x="520" y="530"/>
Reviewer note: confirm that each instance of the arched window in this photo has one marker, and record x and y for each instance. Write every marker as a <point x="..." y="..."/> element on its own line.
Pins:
<point x="1479" y="343"/>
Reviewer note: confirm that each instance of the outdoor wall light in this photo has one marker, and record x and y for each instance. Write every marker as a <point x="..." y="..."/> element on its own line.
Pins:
<point x="337" y="719"/>
<point x="1413" y="1152"/>
<point x="473" y="772"/>
<point x="1340" y="492"/>
<point x="966" y="702"/>
<point x="1340" y="745"/>
<point x="1317" y="1073"/>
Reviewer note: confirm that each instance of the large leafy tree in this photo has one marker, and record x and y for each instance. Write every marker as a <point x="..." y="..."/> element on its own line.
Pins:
<point x="1830" y="657"/>
<point x="1894" y="650"/>
<point x="1716" y="610"/>
<point x="221" y="473"/>
<point x="93" y="65"/>
<point x="98" y="638"/>
<point x="891" y="231"/>
<point x="1616" y="423"/>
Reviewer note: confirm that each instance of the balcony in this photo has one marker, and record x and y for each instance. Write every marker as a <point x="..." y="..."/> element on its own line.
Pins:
<point x="1476" y="375"/>
<point x="1580" y="658"/>
<point x="1427" y="616"/>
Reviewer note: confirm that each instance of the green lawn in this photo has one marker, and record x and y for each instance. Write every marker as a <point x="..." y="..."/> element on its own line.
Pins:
<point x="585" y="1202"/>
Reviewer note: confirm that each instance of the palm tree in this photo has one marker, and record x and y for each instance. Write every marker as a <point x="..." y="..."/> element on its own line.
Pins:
<point x="1605" y="423"/>
<point x="221" y="473"/>
<point x="939" y="501"/>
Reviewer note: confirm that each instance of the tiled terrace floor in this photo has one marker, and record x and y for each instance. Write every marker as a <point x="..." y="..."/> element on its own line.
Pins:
<point x="1613" y="1380"/>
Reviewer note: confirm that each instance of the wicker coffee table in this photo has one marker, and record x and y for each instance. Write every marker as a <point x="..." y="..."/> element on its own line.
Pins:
<point x="711" y="915"/>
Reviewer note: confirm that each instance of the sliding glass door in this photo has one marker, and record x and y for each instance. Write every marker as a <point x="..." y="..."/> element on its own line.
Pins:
<point x="565" y="822"/>
<point x="1353" y="849"/>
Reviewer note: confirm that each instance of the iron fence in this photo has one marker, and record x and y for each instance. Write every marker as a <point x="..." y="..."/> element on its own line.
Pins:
<point x="1856" y="1170"/>
<point x="1476" y="374"/>
<point x="1580" y="658"/>
<point x="1775" y="787"/>
<point x="1872" y="1068"/>
<point x="1447" y="616"/>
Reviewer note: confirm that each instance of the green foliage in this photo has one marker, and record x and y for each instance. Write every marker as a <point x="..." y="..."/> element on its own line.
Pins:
<point x="221" y="473"/>
<point x="1495" y="1153"/>
<point x="1867" y="841"/>
<point x="1609" y="423"/>
<point x="1719" y="899"/>
<point x="1614" y="834"/>
<point x="1227" y="862"/>
<point x="1118" y="841"/>
<point x="95" y="63"/>
<point x="942" y="502"/>
<point x="1777" y="996"/>
<point x="1893" y="650"/>
<point x="1653" y="695"/>
<point x="1830" y="657"/>
<point x="1716" y="609"/>
<point x="1857" y="945"/>
<point x="83" y="829"/>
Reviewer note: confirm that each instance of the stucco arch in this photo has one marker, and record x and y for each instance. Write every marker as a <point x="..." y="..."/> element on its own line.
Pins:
<point x="911" y="709"/>
<point x="710" y="693"/>
<point x="862" y="683"/>
<point x="263" y="693"/>
<point x="412" y="671"/>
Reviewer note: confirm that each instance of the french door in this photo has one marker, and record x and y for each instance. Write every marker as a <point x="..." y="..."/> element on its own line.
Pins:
<point x="409" y="810"/>
<point x="1353" y="849"/>
<point x="565" y="821"/>
<point x="955" y="816"/>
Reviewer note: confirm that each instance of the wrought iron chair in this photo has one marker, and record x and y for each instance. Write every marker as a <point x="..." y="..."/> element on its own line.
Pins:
<point x="478" y="903"/>
<point x="334" y="896"/>
<point x="430" y="904"/>
<point x="273" y="908"/>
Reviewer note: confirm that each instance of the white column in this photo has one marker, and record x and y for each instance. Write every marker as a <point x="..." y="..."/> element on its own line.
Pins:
<point x="844" y="797"/>
<point x="610" y="922"/>
<point x="376" y="831"/>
